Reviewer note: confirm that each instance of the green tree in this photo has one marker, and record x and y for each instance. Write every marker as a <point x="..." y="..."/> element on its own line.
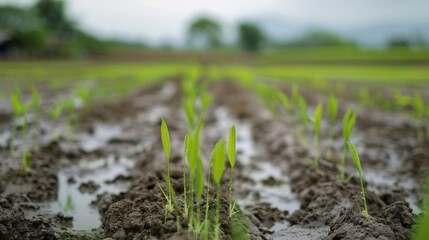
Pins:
<point x="23" y="27"/>
<point x="205" y="32"/>
<point x="52" y="12"/>
<point x="250" y="37"/>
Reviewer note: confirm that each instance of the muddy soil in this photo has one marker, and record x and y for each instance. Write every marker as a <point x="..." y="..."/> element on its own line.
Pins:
<point x="100" y="179"/>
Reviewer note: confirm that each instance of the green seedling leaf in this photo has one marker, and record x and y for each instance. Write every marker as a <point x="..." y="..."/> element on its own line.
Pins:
<point x="349" y="121"/>
<point x="356" y="161"/>
<point x="56" y="111"/>
<point x="355" y="157"/>
<point x="188" y="104"/>
<point x="332" y="108"/>
<point x="418" y="106"/>
<point x="295" y="94"/>
<point x="232" y="146"/>
<point x="165" y="137"/>
<point x="285" y="101"/>
<point x="206" y="100"/>
<point x="84" y="94"/>
<point x="422" y="231"/>
<point x="303" y="110"/>
<point x="35" y="98"/>
<point x="318" y="118"/>
<point x="218" y="158"/>
<point x="16" y="104"/>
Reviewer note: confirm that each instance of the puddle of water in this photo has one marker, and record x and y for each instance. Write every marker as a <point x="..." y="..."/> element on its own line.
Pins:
<point x="278" y="196"/>
<point x="377" y="180"/>
<point x="72" y="202"/>
<point x="103" y="133"/>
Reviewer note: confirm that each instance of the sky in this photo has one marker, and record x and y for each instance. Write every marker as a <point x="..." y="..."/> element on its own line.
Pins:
<point x="162" y="20"/>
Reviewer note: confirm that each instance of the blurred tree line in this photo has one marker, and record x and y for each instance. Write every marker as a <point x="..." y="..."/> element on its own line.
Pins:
<point x="44" y="30"/>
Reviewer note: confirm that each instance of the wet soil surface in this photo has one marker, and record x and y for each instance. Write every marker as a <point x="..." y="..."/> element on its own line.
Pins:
<point x="99" y="180"/>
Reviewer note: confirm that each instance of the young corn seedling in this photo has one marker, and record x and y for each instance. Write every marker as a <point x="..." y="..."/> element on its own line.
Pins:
<point x="356" y="161"/>
<point x="302" y="129"/>
<point x="20" y="110"/>
<point x="427" y="121"/>
<point x="421" y="231"/>
<point x="84" y="95"/>
<point x="218" y="170"/>
<point x="332" y="106"/>
<point x="287" y="104"/>
<point x="172" y="204"/>
<point x="232" y="138"/>
<point x="165" y="138"/>
<point x="349" y="120"/>
<point x="317" y="123"/>
<point x="418" y="113"/>
<point x="26" y="163"/>
<point x="36" y="109"/>
<point x="69" y="105"/>
<point x="401" y="100"/>
<point x="17" y="110"/>
<point x="55" y="114"/>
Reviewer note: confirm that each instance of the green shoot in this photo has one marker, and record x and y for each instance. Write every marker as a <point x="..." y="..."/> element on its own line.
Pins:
<point x="185" y="192"/>
<point x="317" y="123"/>
<point x="301" y="130"/>
<point x="349" y="120"/>
<point x="418" y="113"/>
<point x="421" y="231"/>
<point x="36" y="108"/>
<point x="55" y="113"/>
<point x="356" y="161"/>
<point x="332" y="106"/>
<point x="69" y="207"/>
<point x="427" y="122"/>
<point x="84" y="94"/>
<point x="70" y="107"/>
<point x="364" y="96"/>
<point x="232" y="138"/>
<point x="188" y="105"/>
<point x="17" y="110"/>
<point x="286" y="102"/>
<point x="165" y="138"/>
<point x="401" y="99"/>
<point x="218" y="157"/>
<point x="26" y="163"/>
<point x="332" y="109"/>
<point x="295" y="94"/>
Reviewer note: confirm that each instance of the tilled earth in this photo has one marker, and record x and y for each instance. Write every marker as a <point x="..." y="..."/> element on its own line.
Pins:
<point x="100" y="180"/>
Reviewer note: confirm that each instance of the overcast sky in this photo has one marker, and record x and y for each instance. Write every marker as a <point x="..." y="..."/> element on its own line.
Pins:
<point x="157" y="20"/>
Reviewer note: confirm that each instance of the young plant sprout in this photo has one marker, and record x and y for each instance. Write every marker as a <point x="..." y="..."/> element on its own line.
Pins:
<point x="349" y="120"/>
<point x="20" y="110"/>
<point x="418" y="113"/>
<point x="286" y="102"/>
<point x="26" y="163"/>
<point x="55" y="113"/>
<point x="401" y="100"/>
<point x="427" y="122"/>
<point x="422" y="231"/>
<point x="84" y="94"/>
<point x="69" y="106"/>
<point x="165" y="138"/>
<point x="302" y="129"/>
<point x="356" y="161"/>
<point x="232" y="138"/>
<point x="36" y="109"/>
<point x="17" y="110"/>
<point x="317" y="123"/>
<point x="332" y="106"/>
<point x="218" y="157"/>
